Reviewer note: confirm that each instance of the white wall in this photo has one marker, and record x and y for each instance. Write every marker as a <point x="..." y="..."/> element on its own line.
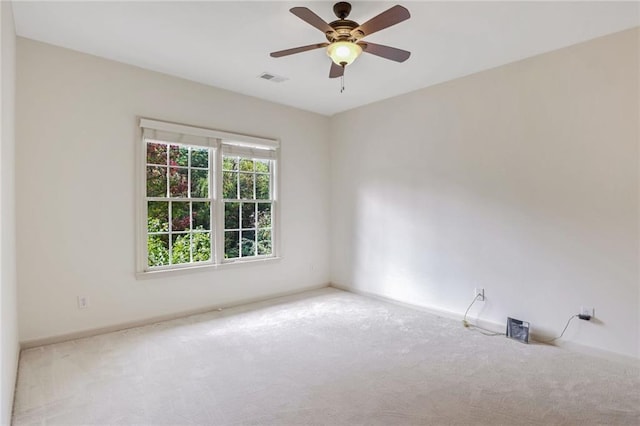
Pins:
<point x="521" y="179"/>
<point x="8" y="304"/>
<point x="76" y="133"/>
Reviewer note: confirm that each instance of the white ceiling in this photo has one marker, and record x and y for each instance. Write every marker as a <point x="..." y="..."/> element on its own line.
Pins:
<point x="227" y="44"/>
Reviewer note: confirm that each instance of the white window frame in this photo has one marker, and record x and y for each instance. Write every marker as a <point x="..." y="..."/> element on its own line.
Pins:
<point x="221" y="143"/>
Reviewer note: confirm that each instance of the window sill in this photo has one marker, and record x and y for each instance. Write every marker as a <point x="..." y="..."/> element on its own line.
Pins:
<point x="202" y="268"/>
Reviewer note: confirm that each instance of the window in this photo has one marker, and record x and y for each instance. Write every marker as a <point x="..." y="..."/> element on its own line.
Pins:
<point x="209" y="197"/>
<point x="247" y="207"/>
<point x="178" y="204"/>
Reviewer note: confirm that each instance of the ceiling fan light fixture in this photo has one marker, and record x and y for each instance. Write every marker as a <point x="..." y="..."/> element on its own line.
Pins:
<point x="343" y="53"/>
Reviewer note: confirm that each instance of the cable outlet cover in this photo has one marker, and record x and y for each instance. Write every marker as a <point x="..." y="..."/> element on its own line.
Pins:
<point x="584" y="310"/>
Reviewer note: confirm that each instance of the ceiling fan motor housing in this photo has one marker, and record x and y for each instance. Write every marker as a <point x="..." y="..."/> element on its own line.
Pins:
<point x="342" y="31"/>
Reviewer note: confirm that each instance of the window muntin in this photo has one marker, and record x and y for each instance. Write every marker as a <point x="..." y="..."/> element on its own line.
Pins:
<point x="186" y="219"/>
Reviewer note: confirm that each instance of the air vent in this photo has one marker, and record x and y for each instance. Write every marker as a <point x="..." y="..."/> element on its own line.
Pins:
<point x="272" y="77"/>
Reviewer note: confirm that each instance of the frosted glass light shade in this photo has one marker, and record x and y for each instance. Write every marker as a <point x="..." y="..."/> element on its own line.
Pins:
<point x="343" y="52"/>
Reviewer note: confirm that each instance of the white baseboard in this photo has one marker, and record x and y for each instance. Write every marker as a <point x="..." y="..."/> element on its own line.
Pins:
<point x="488" y="325"/>
<point x="599" y="353"/>
<point x="32" y="343"/>
<point x="15" y="382"/>
<point x="500" y="328"/>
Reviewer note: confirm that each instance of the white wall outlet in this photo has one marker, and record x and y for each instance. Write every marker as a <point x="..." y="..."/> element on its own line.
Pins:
<point x="480" y="293"/>
<point x="83" y="302"/>
<point x="586" y="310"/>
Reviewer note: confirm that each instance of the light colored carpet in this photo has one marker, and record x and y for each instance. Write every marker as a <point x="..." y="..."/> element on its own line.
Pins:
<point x="325" y="357"/>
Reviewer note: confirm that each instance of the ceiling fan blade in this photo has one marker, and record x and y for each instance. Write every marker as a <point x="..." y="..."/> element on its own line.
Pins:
<point x="312" y="19"/>
<point x="384" y="20"/>
<point x="336" y="70"/>
<point x="300" y="49"/>
<point x="386" y="52"/>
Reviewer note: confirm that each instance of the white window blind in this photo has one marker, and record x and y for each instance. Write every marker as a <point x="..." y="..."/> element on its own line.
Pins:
<point x="181" y="138"/>
<point x="232" y="143"/>
<point x="247" y="151"/>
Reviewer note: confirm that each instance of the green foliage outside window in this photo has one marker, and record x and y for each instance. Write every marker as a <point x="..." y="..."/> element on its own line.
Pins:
<point x="247" y="221"/>
<point x="179" y="211"/>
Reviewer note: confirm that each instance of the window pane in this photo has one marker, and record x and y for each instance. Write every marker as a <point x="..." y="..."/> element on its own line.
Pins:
<point x="264" y="241"/>
<point x="178" y="155"/>
<point x="264" y="215"/>
<point x="201" y="215"/>
<point x="158" y="216"/>
<point x="248" y="215"/>
<point x="262" y="187"/>
<point x="156" y="153"/>
<point x="178" y="181"/>
<point x="248" y="243"/>
<point x="180" y="217"/>
<point x="231" y="215"/>
<point x="231" y="244"/>
<point x="262" y="166"/>
<point x="199" y="183"/>
<point x="230" y="185"/>
<point x="230" y="163"/>
<point x="199" y="157"/>
<point x="246" y="185"/>
<point x="158" y="250"/>
<point x="156" y="181"/>
<point x="246" y="165"/>
<point x="201" y="246"/>
<point x="180" y="248"/>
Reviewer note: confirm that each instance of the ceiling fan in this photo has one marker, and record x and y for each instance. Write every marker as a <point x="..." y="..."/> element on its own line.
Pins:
<point x="344" y="36"/>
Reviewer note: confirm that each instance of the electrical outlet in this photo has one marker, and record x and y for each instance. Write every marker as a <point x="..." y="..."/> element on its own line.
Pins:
<point x="83" y="302"/>
<point x="480" y="293"/>
<point x="584" y="310"/>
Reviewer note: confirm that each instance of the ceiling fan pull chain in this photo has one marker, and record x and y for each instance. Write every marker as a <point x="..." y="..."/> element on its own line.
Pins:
<point x="342" y="83"/>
